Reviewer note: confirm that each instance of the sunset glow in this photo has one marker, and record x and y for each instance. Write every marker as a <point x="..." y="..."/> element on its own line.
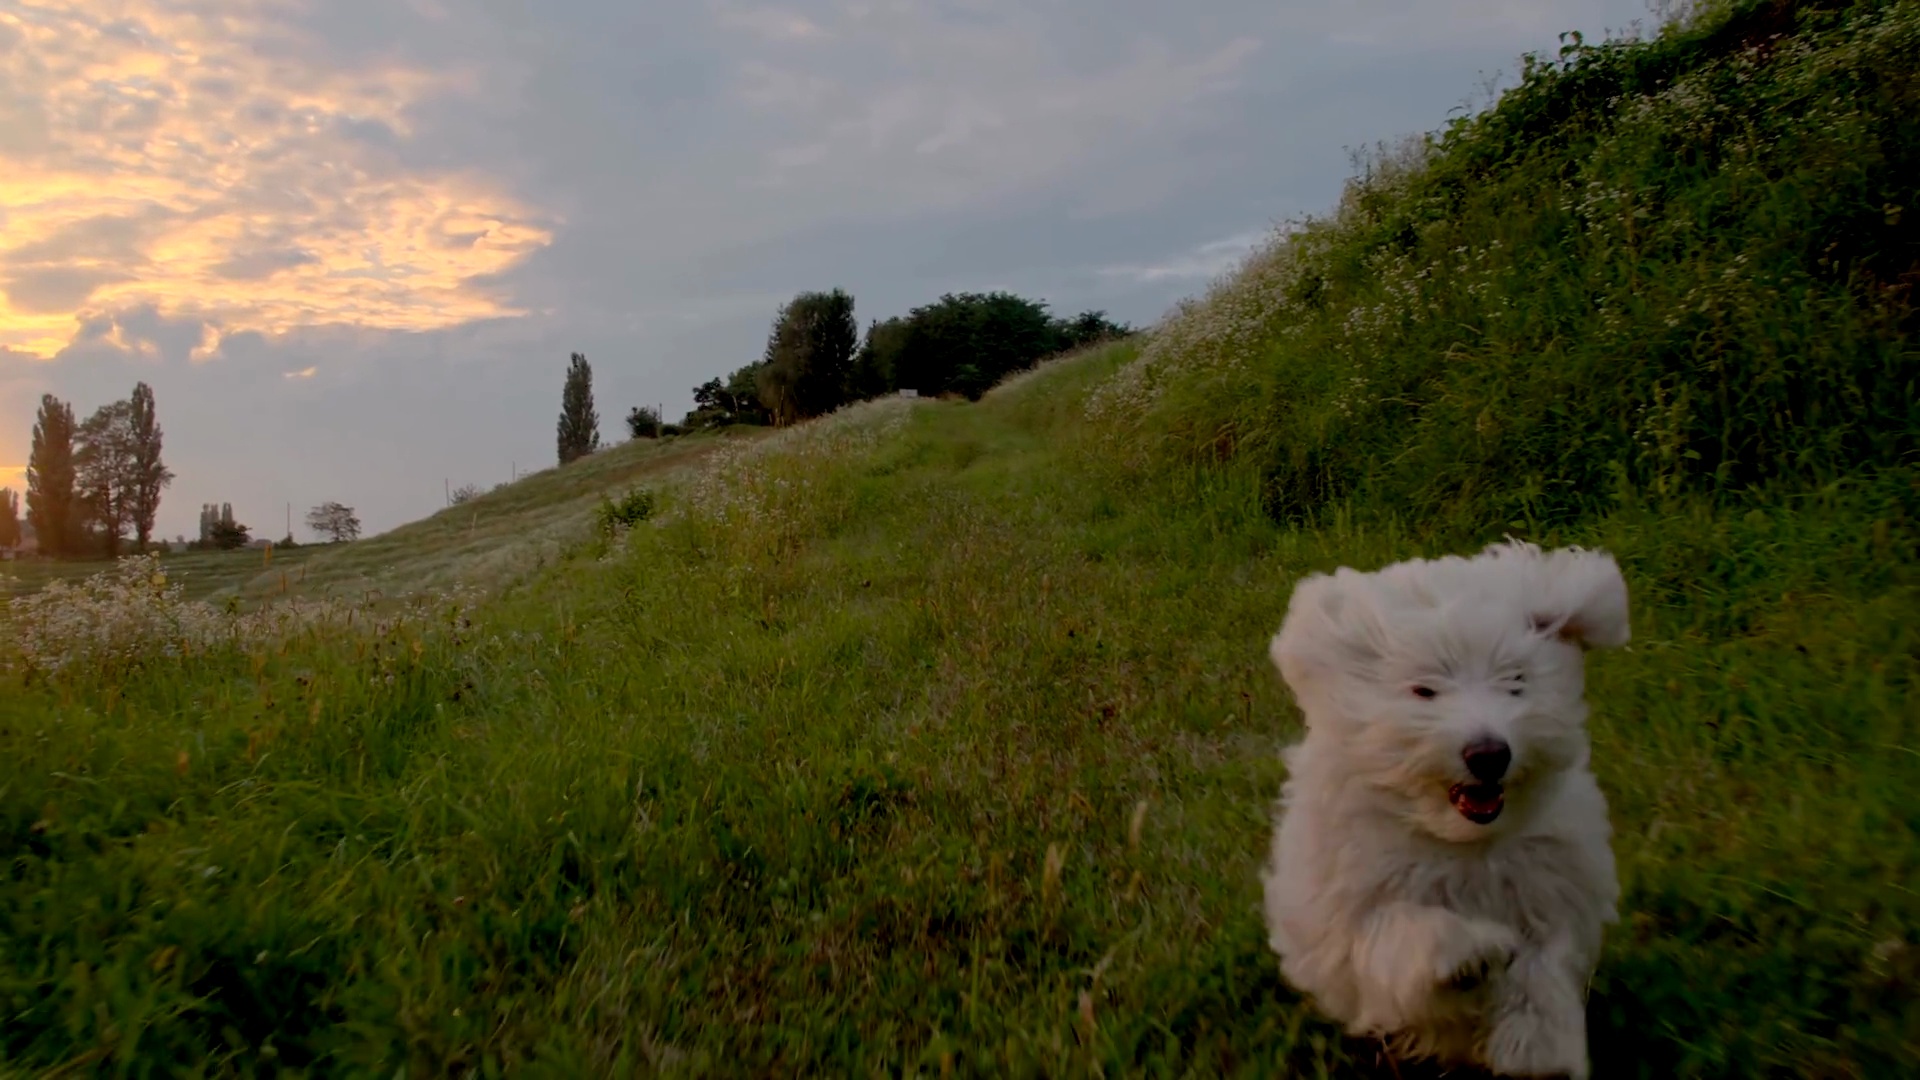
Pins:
<point x="183" y="155"/>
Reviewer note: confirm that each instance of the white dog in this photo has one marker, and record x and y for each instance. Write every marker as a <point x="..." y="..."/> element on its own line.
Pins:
<point x="1441" y="870"/>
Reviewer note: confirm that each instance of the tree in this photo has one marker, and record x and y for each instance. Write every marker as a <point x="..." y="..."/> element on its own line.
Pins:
<point x="463" y="494"/>
<point x="104" y="467"/>
<point x="643" y="422"/>
<point x="219" y="531"/>
<point x="809" y="356"/>
<point x="1089" y="328"/>
<point x="51" y="506"/>
<point x="579" y="428"/>
<point x="211" y="515"/>
<point x="334" y="521"/>
<point x="229" y="534"/>
<point x="965" y="343"/>
<point x="9" y="518"/>
<point x="149" y="473"/>
<point x="872" y="373"/>
<point x="734" y="401"/>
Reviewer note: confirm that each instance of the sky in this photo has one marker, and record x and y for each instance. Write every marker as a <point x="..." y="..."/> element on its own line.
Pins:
<point x="352" y="243"/>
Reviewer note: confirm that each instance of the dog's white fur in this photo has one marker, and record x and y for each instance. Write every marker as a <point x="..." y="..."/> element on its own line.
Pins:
<point x="1395" y="913"/>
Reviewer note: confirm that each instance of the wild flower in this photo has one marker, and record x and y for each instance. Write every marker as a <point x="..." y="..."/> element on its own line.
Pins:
<point x="134" y="614"/>
<point x="764" y="496"/>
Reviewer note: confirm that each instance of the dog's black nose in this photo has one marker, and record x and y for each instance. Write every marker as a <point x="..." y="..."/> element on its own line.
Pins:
<point x="1487" y="759"/>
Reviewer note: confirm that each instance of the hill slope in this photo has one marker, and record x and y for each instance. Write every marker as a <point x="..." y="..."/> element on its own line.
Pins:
<point x="939" y="736"/>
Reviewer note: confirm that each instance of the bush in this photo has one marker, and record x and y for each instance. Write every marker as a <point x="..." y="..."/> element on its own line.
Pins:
<point x="633" y="508"/>
<point x="643" y="422"/>
<point x="228" y="536"/>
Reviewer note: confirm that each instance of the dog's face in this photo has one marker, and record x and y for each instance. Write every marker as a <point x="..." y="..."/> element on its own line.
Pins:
<point x="1453" y="686"/>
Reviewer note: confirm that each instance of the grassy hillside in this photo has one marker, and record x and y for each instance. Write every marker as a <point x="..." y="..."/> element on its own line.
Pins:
<point x="1677" y="265"/>
<point x="504" y="536"/>
<point x="202" y="573"/>
<point x="940" y="738"/>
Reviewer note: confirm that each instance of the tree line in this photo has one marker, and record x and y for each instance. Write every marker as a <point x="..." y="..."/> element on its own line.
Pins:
<point x="817" y="360"/>
<point x="90" y="483"/>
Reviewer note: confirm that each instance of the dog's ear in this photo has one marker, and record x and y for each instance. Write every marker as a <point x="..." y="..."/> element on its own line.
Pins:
<point x="1331" y="628"/>
<point x="1578" y="596"/>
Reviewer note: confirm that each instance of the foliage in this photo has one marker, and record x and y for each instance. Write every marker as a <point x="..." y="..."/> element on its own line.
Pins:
<point x="335" y="521"/>
<point x="52" y="506"/>
<point x="631" y="509"/>
<point x="579" y="426"/>
<point x="104" y="465"/>
<point x="1664" y="265"/>
<point x="872" y="371"/>
<point x="643" y="422"/>
<point x="1087" y="329"/>
<point x="964" y="343"/>
<point x="213" y="515"/>
<point x="149" y="474"/>
<point x="809" y="356"/>
<point x="465" y="493"/>
<point x="227" y="534"/>
<point x="10" y="532"/>
<point x="717" y="404"/>
<point x="105" y="474"/>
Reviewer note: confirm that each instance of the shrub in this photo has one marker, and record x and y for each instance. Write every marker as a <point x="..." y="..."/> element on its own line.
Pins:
<point x="643" y="422"/>
<point x="633" y="508"/>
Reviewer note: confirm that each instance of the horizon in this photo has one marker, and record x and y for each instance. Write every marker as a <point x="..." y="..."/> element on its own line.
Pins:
<point x="352" y="245"/>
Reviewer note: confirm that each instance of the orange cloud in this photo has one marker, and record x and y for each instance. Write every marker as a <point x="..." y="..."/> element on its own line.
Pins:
<point x="15" y="477"/>
<point x="159" y="158"/>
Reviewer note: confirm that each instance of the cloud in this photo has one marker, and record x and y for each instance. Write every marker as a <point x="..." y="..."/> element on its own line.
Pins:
<point x="1203" y="263"/>
<point x="908" y="106"/>
<point x="772" y="23"/>
<point x="201" y="159"/>
<point x="303" y="373"/>
<point x="15" y="477"/>
<point x="214" y="195"/>
<point x="1408" y="26"/>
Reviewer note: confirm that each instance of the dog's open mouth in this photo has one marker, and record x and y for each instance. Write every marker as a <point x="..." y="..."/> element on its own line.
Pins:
<point x="1478" y="803"/>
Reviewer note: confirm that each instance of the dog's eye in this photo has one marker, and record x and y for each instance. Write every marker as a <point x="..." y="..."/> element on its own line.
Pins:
<point x="1426" y="692"/>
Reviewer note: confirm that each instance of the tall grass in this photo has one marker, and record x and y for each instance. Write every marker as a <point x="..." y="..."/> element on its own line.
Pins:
<point x="1683" y="264"/>
<point x="938" y="738"/>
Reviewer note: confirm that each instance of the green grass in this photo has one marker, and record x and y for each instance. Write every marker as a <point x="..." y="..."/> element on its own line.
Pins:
<point x="938" y="737"/>
<point x="796" y="812"/>
<point x="493" y="541"/>
<point x="500" y="538"/>
<point x="203" y="574"/>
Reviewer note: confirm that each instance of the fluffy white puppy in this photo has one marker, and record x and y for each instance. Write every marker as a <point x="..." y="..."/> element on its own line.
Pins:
<point x="1441" y="870"/>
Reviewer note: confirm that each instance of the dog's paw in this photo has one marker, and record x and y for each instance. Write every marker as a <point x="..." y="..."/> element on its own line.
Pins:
<point x="1522" y="1045"/>
<point x="1479" y="952"/>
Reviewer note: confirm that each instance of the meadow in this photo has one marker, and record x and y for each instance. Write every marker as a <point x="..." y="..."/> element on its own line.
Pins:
<point x="936" y="737"/>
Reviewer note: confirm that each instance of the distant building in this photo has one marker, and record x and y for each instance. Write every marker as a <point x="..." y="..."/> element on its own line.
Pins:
<point x="909" y="393"/>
